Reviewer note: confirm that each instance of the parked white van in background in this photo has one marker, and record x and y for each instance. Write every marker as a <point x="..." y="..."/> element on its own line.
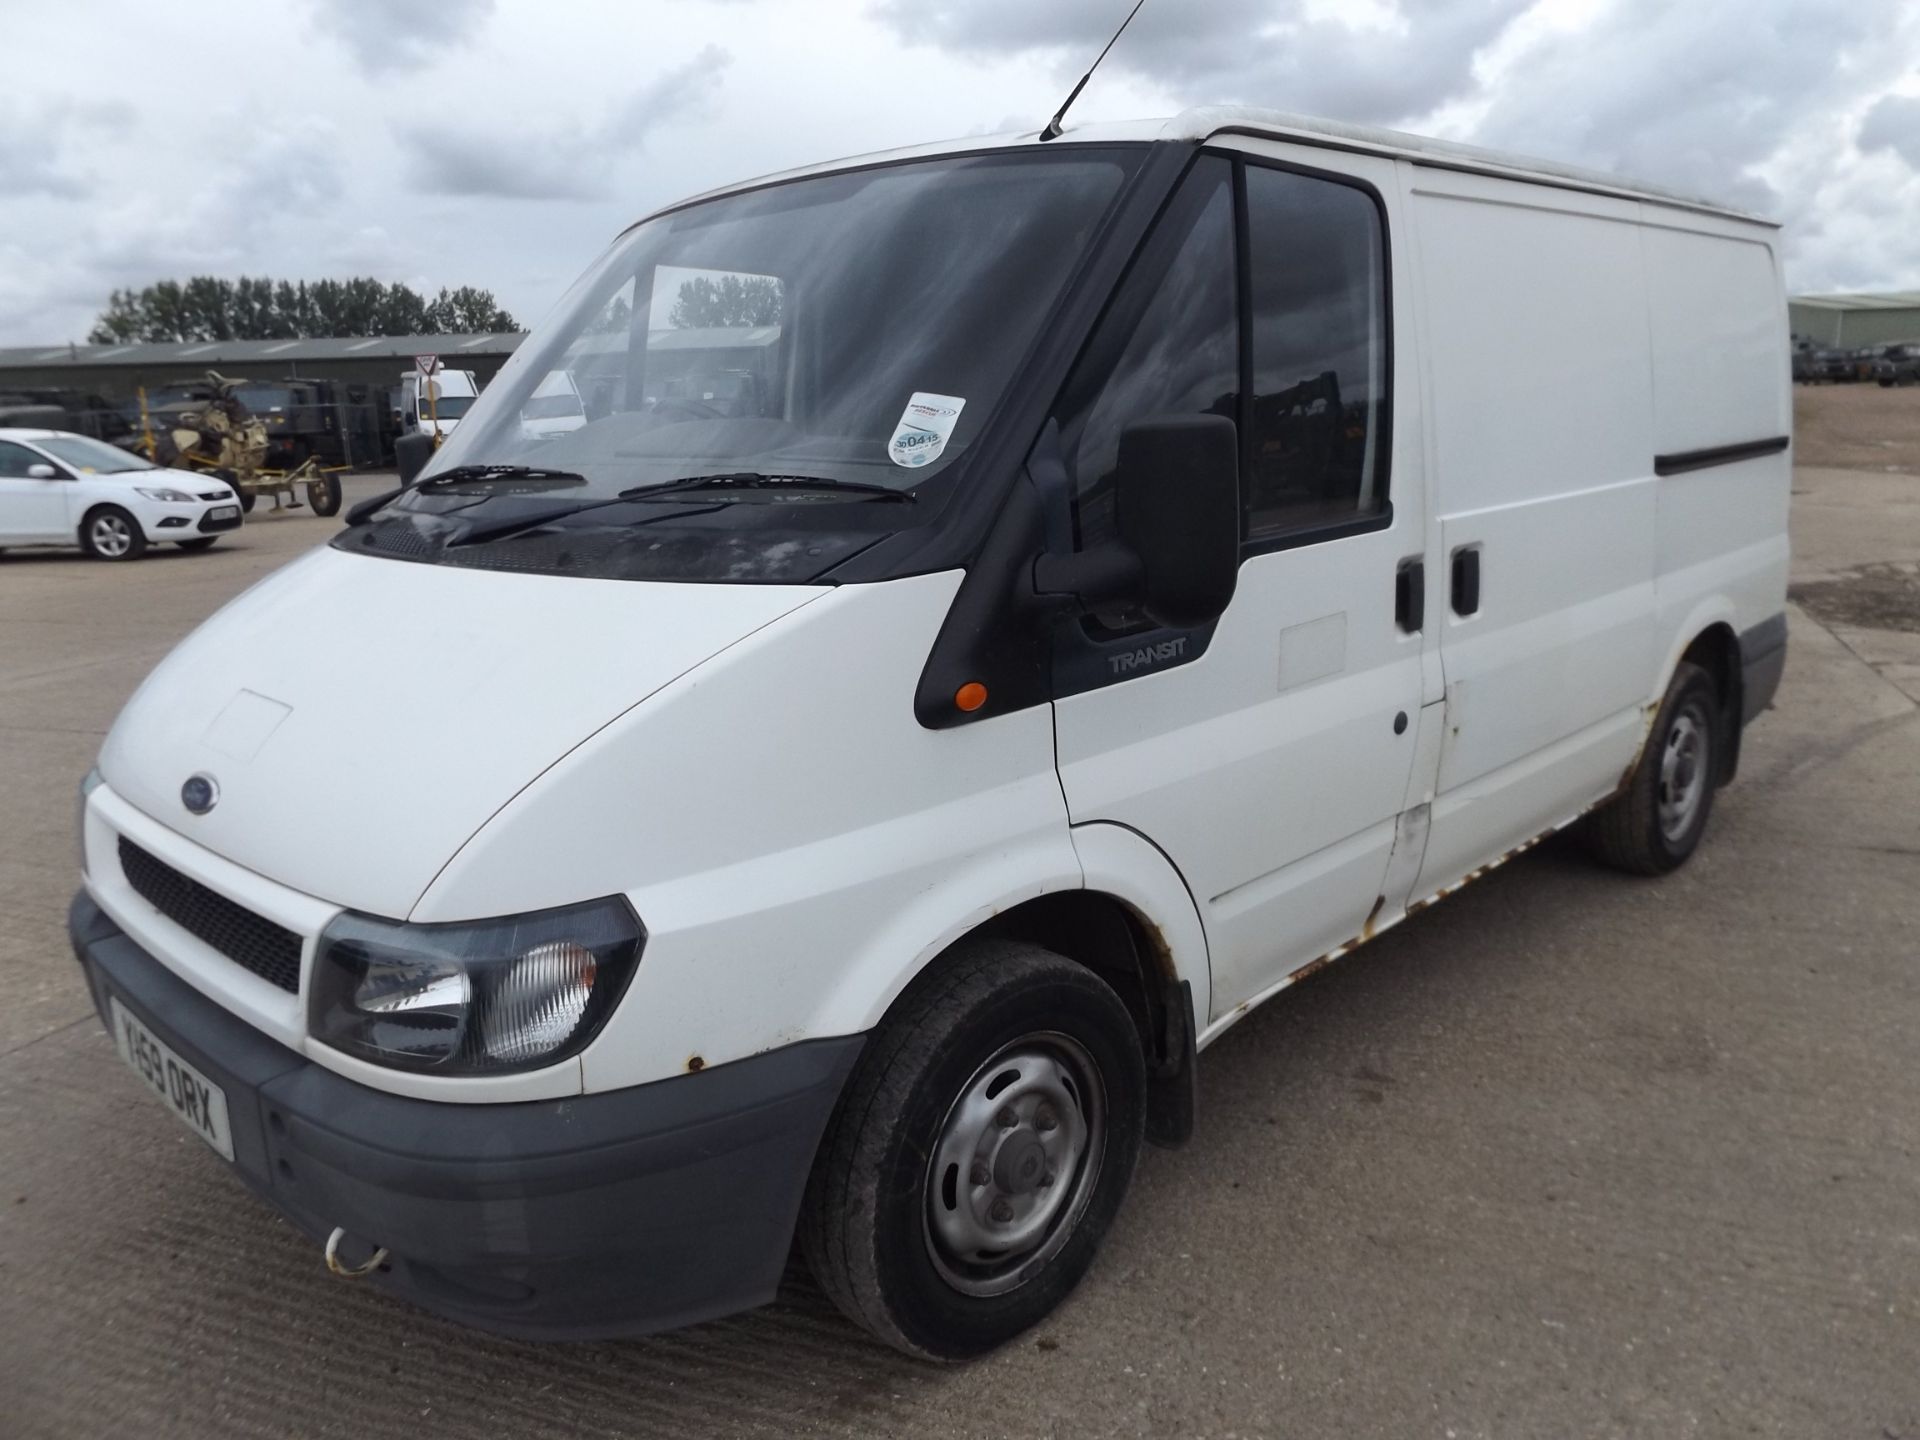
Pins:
<point x="1144" y="567"/>
<point x="443" y="404"/>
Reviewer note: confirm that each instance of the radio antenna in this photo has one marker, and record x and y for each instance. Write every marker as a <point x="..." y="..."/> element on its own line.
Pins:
<point x="1052" y="132"/>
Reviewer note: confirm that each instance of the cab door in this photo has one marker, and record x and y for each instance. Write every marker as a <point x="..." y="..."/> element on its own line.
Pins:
<point x="32" y="509"/>
<point x="1268" y="755"/>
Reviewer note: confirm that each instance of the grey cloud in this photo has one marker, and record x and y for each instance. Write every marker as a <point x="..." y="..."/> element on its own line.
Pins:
<point x="388" y="35"/>
<point x="1257" y="52"/>
<point x="563" y="161"/>
<point x="1894" y="124"/>
<point x="51" y="151"/>
<point x="1690" y="95"/>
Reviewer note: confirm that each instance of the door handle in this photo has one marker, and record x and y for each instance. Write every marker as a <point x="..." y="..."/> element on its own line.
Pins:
<point x="1466" y="581"/>
<point x="1410" y="596"/>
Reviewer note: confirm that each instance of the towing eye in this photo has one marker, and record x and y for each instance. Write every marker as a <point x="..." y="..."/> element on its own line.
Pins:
<point x="350" y="1272"/>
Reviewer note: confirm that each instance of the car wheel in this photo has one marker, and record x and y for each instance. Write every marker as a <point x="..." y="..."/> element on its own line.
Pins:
<point x="203" y="542"/>
<point x="110" y="533"/>
<point x="1655" y="824"/>
<point x="979" y="1153"/>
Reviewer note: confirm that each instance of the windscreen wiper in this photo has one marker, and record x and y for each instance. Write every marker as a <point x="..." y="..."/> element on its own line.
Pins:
<point x="485" y="474"/>
<point x="754" y="480"/>
<point x="365" y="510"/>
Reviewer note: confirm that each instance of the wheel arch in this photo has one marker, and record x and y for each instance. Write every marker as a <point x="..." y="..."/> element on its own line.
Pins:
<point x="1710" y="641"/>
<point x="1125" y="915"/>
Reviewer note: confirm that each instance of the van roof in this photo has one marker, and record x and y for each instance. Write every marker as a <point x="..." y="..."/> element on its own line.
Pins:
<point x="1207" y="121"/>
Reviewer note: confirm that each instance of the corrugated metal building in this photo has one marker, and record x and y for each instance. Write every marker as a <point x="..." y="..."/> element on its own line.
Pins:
<point x="116" y="371"/>
<point x="1852" y="322"/>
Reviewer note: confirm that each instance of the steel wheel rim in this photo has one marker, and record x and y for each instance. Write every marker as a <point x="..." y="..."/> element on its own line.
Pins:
<point x="111" y="536"/>
<point x="1683" y="773"/>
<point x="1003" y="1198"/>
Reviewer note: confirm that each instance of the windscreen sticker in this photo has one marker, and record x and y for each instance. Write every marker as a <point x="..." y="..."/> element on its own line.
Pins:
<point x="923" y="430"/>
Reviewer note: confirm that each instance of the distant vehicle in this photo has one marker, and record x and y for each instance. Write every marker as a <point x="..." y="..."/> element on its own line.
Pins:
<point x="58" y="488"/>
<point x="422" y="410"/>
<point x="82" y="412"/>
<point x="1829" y="366"/>
<point x="301" y="420"/>
<point x="1898" y="365"/>
<point x="554" y="408"/>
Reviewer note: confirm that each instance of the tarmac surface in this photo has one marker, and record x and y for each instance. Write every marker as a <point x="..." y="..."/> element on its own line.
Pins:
<point x="1569" y="1155"/>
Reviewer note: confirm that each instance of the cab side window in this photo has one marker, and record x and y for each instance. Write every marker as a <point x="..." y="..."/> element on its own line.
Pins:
<point x="1168" y="345"/>
<point x="1315" y="441"/>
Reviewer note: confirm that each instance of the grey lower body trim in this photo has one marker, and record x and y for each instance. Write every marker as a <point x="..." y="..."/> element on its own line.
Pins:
<point x="1763" y="660"/>
<point x="598" y="1215"/>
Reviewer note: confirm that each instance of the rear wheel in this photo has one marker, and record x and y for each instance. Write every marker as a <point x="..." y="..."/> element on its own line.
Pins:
<point x="981" y="1150"/>
<point x="110" y="533"/>
<point x="1655" y="824"/>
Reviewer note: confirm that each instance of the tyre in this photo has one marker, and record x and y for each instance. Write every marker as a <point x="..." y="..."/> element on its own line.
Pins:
<point x="979" y="1153"/>
<point x="247" y="497"/>
<point x="1655" y="824"/>
<point x="110" y="533"/>
<point x="203" y="542"/>
<point x="324" y="495"/>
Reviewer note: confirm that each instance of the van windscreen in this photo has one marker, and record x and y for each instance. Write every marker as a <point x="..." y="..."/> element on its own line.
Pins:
<point x="855" y="328"/>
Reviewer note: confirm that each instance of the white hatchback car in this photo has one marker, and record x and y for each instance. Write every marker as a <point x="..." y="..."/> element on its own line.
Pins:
<point x="63" y="489"/>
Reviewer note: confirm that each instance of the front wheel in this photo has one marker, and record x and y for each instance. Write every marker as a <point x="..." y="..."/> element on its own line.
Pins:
<point x="979" y="1153"/>
<point x="203" y="542"/>
<point x="1654" y="825"/>
<point x="110" y="533"/>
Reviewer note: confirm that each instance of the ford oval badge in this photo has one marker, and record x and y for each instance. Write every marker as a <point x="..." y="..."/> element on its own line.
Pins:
<point x="200" y="794"/>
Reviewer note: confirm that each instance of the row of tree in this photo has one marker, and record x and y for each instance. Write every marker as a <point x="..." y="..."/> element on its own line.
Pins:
<point x="257" y="308"/>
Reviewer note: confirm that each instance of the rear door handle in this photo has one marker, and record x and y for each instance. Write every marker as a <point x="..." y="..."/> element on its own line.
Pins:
<point x="1466" y="581"/>
<point x="1410" y="596"/>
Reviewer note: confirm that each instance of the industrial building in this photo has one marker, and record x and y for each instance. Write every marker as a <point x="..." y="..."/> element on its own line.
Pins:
<point x="100" y="385"/>
<point x="1853" y="322"/>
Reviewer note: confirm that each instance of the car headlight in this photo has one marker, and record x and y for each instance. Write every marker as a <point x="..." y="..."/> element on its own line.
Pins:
<point x="483" y="997"/>
<point x="172" y="497"/>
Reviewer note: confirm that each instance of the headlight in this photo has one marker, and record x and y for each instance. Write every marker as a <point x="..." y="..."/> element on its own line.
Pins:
<point x="482" y="997"/>
<point x="172" y="497"/>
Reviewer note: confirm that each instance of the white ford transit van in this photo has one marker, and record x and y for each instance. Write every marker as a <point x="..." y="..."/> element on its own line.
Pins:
<point x="1120" y="575"/>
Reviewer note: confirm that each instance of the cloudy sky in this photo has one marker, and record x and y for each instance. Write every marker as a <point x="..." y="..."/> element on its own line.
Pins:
<point x="501" y="143"/>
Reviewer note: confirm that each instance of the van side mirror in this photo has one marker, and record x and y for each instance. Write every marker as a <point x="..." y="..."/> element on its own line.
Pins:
<point x="1177" y="505"/>
<point x="411" y="454"/>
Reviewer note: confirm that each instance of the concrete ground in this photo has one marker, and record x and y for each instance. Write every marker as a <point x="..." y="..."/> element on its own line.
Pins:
<point x="1570" y="1155"/>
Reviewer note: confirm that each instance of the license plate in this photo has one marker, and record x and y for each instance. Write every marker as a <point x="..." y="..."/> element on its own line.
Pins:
<point x="224" y="512"/>
<point x="199" y="1103"/>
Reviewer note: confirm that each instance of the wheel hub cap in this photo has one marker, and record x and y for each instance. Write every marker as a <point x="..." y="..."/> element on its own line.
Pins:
<point x="1683" y="773"/>
<point x="1014" y="1165"/>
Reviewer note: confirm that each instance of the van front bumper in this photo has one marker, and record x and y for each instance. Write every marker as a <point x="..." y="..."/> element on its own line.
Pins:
<point x="594" y="1216"/>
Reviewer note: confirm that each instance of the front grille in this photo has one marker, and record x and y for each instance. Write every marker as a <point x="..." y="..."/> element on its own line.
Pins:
<point x="215" y="495"/>
<point x="251" y="941"/>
